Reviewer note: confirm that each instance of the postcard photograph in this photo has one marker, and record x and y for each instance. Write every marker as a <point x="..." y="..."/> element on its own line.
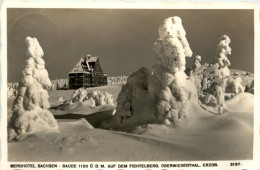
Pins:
<point x="104" y="84"/>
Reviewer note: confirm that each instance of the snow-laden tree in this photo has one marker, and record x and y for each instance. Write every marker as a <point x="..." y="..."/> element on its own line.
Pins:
<point x="172" y="48"/>
<point x="161" y="95"/>
<point x="30" y="108"/>
<point x="223" y="50"/>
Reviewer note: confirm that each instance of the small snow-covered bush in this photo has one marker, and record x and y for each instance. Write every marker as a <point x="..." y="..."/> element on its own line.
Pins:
<point x="116" y="80"/>
<point x="94" y="98"/>
<point x="59" y="84"/>
<point x="12" y="89"/>
<point x="232" y="85"/>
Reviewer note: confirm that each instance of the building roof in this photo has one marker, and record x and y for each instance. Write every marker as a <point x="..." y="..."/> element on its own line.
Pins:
<point x="85" y="64"/>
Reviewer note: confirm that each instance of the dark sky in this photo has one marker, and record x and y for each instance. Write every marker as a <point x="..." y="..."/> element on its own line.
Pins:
<point x="122" y="38"/>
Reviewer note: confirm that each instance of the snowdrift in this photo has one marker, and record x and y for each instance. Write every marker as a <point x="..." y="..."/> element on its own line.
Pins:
<point x="92" y="105"/>
<point x="202" y="136"/>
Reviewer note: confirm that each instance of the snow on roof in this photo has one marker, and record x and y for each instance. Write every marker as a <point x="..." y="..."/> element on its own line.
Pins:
<point x="84" y="62"/>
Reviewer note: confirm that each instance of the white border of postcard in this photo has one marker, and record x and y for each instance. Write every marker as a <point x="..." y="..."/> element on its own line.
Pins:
<point x="238" y="164"/>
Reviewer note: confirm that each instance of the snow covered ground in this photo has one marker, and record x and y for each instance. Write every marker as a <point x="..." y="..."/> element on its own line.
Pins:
<point x="201" y="136"/>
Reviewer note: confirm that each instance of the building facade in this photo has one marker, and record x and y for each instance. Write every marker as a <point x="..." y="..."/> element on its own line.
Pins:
<point x="87" y="73"/>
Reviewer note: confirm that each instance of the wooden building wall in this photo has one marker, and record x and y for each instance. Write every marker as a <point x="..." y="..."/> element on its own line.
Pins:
<point x="79" y="80"/>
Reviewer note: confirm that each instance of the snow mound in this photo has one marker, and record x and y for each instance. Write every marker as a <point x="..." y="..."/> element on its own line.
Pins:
<point x="207" y="136"/>
<point x="30" y="114"/>
<point x="238" y="117"/>
<point x="83" y="108"/>
<point x="30" y="122"/>
<point x="242" y="99"/>
<point x="80" y="125"/>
